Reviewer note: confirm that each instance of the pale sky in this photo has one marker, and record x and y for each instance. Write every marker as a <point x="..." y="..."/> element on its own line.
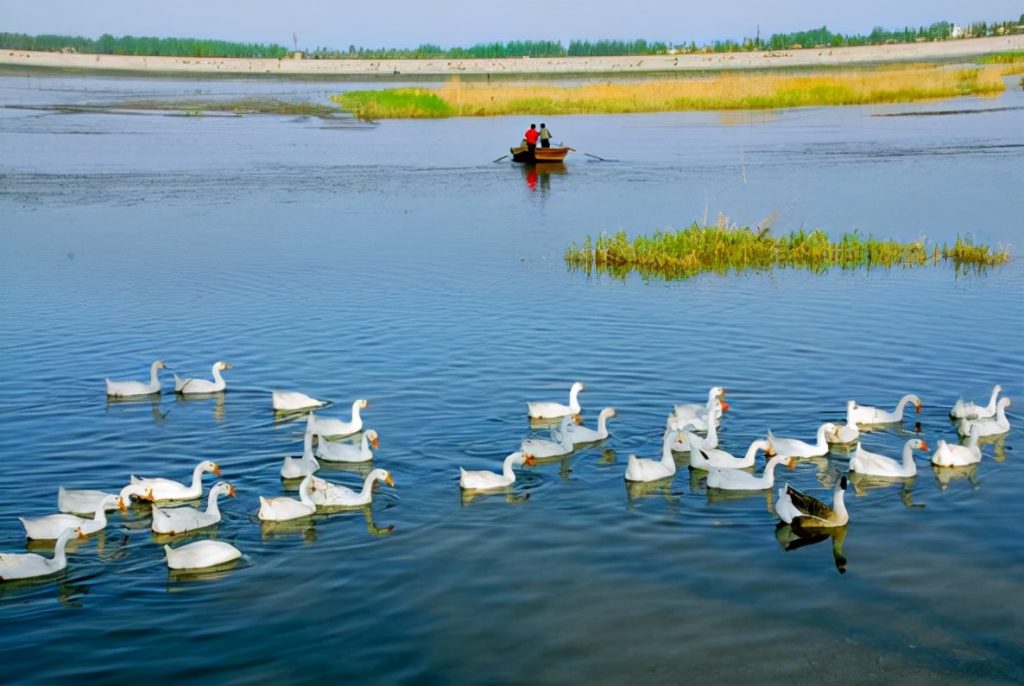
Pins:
<point x="408" y="23"/>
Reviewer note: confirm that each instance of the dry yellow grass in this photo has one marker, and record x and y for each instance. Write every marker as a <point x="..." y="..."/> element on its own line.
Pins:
<point x="722" y="92"/>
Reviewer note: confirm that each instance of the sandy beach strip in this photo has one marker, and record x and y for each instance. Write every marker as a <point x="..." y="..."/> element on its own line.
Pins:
<point x="525" y="66"/>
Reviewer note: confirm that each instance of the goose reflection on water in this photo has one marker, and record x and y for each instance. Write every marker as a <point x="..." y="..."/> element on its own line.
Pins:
<point x="792" y="538"/>
<point x="945" y="476"/>
<point x="863" y="483"/>
<point x="637" y="490"/>
<point x="217" y="397"/>
<point x="116" y="403"/>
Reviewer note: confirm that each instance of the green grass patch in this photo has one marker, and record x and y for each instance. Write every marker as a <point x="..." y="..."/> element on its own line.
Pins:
<point x="722" y="249"/>
<point x="395" y="103"/>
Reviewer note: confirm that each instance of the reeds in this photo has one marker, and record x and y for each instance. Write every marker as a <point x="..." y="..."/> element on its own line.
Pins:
<point x="395" y="103"/>
<point x="726" y="91"/>
<point x="1012" y="62"/>
<point x="724" y="248"/>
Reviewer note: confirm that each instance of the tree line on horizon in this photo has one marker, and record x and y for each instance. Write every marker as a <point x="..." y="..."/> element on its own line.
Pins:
<point x="196" y="47"/>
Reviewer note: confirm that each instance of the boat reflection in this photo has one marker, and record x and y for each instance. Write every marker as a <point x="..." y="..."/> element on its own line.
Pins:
<point x="538" y="176"/>
<point x="793" y="538"/>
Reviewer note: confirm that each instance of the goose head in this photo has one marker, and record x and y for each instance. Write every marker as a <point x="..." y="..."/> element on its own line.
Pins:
<point x="223" y="488"/>
<point x="529" y="460"/>
<point x="920" y="444"/>
<point x="221" y="366"/>
<point x="381" y="475"/>
<point x="209" y="466"/>
<point x="371" y="436"/>
<point x="362" y="404"/>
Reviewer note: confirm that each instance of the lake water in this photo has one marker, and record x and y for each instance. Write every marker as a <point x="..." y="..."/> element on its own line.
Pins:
<point x="397" y="262"/>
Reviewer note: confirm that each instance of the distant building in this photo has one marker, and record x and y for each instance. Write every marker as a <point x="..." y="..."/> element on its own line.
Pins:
<point x="958" y="31"/>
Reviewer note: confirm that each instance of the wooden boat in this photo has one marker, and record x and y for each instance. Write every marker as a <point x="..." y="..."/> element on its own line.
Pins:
<point x="522" y="154"/>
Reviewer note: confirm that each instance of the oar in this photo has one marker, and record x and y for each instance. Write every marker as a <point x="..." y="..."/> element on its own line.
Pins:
<point x="501" y="158"/>
<point x="596" y="157"/>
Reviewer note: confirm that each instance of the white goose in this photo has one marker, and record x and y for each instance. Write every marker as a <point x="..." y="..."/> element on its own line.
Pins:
<point x="739" y="480"/>
<point x="76" y="501"/>
<point x="293" y="401"/>
<point x="541" y="447"/>
<point x="166" y="489"/>
<point x="956" y="455"/>
<point x="199" y="386"/>
<point x="687" y="440"/>
<point x="347" y="452"/>
<point x="968" y="410"/>
<point x="796" y="507"/>
<point x="876" y="464"/>
<point x="987" y="427"/>
<point x="644" y="469"/>
<point x="201" y="555"/>
<point x="178" y="520"/>
<point x="283" y="508"/>
<point x="792" y="447"/>
<point x="338" y="428"/>
<point x="487" y="481"/>
<point x="328" y="494"/>
<point x="582" y="434"/>
<point x="865" y="414"/>
<point x="715" y="458"/>
<point x="126" y="389"/>
<point x="50" y="527"/>
<point x="298" y="467"/>
<point x="845" y="434"/>
<point x="699" y="414"/>
<point x="551" y="410"/>
<point x="28" y="565"/>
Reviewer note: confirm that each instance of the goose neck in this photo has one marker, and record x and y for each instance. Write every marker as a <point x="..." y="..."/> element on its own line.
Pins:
<point x="666" y="447"/>
<point x="839" y="503"/>
<point x="751" y="454"/>
<point x="216" y="375"/>
<point x="574" y="399"/>
<point x="991" y="407"/>
<point x="908" y="454"/>
<point x="510" y="462"/>
<point x="212" y="507"/>
<point x="902" y="405"/>
<point x="305" y="496"/>
<point x="154" y="374"/>
<point x="59" y="555"/>
<point x="197" y="477"/>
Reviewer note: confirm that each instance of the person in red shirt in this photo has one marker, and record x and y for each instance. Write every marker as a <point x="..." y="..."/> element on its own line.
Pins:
<point x="531" y="136"/>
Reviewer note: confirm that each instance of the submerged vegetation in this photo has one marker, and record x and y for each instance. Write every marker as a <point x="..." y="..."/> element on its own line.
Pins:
<point x="724" y="248"/>
<point x="729" y="91"/>
<point x="197" y="108"/>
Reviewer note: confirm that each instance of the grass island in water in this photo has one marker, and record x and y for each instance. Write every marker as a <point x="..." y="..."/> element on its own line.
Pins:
<point x="724" y="91"/>
<point x="723" y="248"/>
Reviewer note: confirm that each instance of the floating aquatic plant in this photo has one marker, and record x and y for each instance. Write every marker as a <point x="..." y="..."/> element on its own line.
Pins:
<point x="723" y="248"/>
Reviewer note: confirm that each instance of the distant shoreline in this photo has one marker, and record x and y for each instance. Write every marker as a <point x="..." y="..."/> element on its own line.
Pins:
<point x="525" y="66"/>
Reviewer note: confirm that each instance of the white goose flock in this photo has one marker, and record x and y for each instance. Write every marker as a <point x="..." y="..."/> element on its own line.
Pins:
<point x="723" y="470"/>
